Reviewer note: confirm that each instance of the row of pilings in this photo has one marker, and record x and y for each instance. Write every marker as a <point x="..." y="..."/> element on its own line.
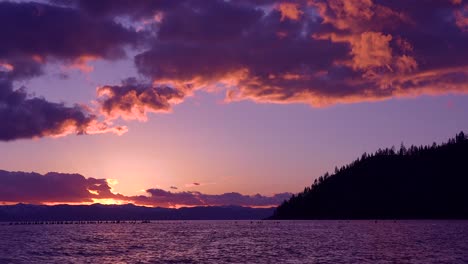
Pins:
<point x="77" y="222"/>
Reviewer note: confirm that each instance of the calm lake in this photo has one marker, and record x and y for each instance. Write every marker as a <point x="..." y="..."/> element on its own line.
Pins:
<point x="238" y="242"/>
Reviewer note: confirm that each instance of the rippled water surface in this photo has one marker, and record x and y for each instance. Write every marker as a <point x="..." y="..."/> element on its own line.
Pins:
<point x="238" y="242"/>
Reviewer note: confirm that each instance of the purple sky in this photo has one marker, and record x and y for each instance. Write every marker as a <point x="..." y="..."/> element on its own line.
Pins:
<point x="235" y="96"/>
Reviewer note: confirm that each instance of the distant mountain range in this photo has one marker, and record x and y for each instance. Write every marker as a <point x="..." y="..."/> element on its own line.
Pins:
<point x="99" y="212"/>
<point x="426" y="182"/>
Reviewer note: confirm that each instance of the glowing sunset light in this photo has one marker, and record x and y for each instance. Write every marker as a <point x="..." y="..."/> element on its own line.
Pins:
<point x="199" y="131"/>
<point x="109" y="201"/>
<point x="218" y="102"/>
<point x="93" y="192"/>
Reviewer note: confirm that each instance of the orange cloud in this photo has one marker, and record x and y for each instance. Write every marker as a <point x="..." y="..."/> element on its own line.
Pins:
<point x="351" y="9"/>
<point x="98" y="127"/>
<point x="132" y="100"/>
<point x="91" y="126"/>
<point x="404" y="83"/>
<point x="82" y="63"/>
<point x="371" y="49"/>
<point x="289" y="11"/>
<point x="357" y="16"/>
<point x="406" y="64"/>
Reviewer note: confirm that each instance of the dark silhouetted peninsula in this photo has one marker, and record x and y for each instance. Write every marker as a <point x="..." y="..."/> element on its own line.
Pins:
<point x="426" y="182"/>
<point x="99" y="212"/>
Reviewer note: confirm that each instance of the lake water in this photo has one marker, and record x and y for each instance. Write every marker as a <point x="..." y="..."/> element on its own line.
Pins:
<point x="238" y="242"/>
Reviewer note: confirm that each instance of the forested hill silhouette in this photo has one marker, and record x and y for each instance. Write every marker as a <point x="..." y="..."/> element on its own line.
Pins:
<point x="429" y="182"/>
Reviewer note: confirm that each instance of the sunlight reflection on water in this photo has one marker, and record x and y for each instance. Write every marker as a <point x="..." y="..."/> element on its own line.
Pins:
<point x="238" y="242"/>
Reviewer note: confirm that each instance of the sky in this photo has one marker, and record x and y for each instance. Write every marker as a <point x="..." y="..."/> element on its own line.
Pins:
<point x="216" y="102"/>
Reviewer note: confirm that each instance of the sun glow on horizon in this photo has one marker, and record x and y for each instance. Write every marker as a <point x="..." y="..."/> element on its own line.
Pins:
<point x="109" y="201"/>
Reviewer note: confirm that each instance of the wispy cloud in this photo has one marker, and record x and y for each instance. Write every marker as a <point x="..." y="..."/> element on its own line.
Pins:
<point x="194" y="184"/>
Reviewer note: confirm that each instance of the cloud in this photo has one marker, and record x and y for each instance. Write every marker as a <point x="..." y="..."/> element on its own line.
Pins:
<point x="111" y="8"/>
<point x="158" y="197"/>
<point x="189" y="185"/>
<point x="52" y="187"/>
<point x="51" y="32"/>
<point x="289" y="11"/>
<point x="41" y="33"/>
<point x="37" y="34"/>
<point x="22" y="116"/>
<point x="133" y="100"/>
<point x="371" y="50"/>
<point x="56" y="187"/>
<point x="315" y="52"/>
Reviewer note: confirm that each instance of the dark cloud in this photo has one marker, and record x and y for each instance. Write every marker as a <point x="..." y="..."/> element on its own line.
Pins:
<point x="33" y="29"/>
<point x="52" y="187"/>
<point x="56" y="187"/>
<point x="195" y="184"/>
<point x="193" y="22"/>
<point x="111" y="8"/>
<point x="133" y="100"/>
<point x="24" y="116"/>
<point x="318" y="52"/>
<point x="33" y="34"/>
<point x="164" y="198"/>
